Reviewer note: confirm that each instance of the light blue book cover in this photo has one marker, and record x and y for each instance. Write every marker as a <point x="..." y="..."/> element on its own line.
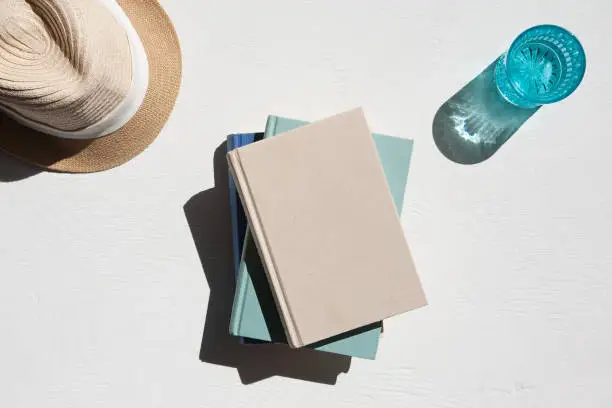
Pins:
<point x="254" y="313"/>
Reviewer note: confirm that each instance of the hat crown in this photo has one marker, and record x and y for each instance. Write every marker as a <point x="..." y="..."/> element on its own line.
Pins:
<point x="65" y="64"/>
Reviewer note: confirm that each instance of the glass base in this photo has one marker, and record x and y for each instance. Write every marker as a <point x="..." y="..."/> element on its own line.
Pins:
<point x="505" y="88"/>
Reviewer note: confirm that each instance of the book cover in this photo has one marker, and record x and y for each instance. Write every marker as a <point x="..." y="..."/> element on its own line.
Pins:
<point x="395" y="151"/>
<point x="248" y="321"/>
<point x="254" y="315"/>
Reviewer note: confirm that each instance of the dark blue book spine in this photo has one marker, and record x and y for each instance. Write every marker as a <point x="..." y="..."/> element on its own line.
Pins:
<point x="239" y="221"/>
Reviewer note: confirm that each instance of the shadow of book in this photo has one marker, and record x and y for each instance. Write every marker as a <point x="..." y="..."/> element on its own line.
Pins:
<point x="12" y="169"/>
<point x="475" y="122"/>
<point x="208" y="216"/>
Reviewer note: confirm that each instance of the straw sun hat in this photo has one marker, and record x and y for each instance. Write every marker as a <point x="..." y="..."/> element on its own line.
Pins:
<point x="85" y="85"/>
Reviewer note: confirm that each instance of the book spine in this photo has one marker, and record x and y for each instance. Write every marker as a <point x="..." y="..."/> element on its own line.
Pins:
<point x="293" y="337"/>
<point x="271" y="126"/>
<point x="234" y="329"/>
<point x="241" y="295"/>
<point x="231" y="145"/>
<point x="237" y="214"/>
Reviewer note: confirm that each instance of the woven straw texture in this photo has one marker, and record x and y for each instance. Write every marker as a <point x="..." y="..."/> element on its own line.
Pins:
<point x="81" y="156"/>
<point x="64" y="63"/>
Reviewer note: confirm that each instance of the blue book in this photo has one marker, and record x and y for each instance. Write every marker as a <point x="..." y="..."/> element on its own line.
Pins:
<point x="238" y="216"/>
<point x="254" y="314"/>
<point x="239" y="221"/>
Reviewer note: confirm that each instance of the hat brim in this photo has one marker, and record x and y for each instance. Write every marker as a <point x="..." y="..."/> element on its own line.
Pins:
<point x="86" y="156"/>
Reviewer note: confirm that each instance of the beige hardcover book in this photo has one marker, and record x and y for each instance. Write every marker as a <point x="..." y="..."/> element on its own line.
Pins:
<point x="326" y="228"/>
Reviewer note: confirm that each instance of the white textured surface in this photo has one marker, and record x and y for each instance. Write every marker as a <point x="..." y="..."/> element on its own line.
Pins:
<point x="103" y="297"/>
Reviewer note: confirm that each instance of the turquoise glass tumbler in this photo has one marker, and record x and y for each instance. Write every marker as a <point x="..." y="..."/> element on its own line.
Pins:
<point x="543" y="65"/>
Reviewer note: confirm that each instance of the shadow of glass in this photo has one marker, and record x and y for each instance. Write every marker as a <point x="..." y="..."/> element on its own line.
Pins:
<point x="208" y="216"/>
<point x="475" y="122"/>
<point x="13" y="169"/>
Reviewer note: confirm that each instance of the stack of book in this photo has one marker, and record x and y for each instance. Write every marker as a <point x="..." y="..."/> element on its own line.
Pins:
<point x="320" y="255"/>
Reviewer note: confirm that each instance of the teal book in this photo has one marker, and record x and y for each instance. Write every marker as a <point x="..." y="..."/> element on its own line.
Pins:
<point x="254" y="313"/>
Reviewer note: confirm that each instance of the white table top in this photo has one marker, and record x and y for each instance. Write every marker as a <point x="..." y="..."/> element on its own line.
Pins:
<point x="104" y="296"/>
